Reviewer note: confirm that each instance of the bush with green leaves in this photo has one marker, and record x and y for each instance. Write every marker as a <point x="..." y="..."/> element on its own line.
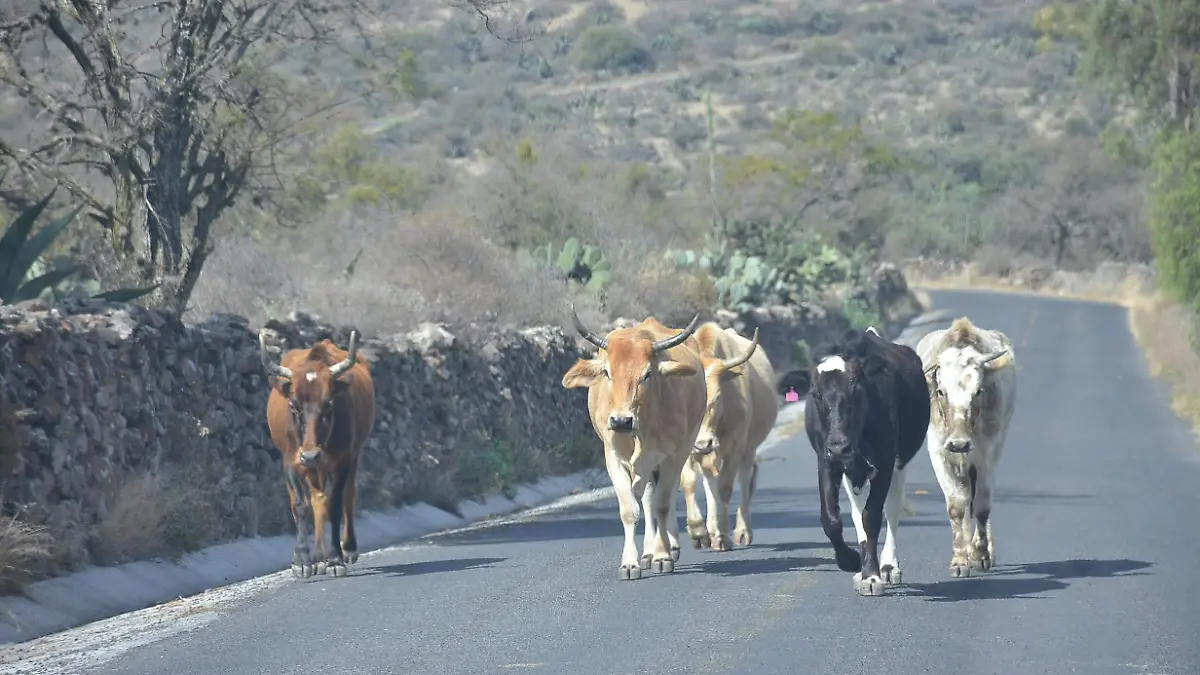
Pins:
<point x="614" y="48"/>
<point x="756" y="263"/>
<point x="24" y="275"/>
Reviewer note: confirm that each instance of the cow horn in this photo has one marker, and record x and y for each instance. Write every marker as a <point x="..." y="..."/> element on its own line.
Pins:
<point x="351" y="357"/>
<point x="269" y="363"/>
<point x="596" y="340"/>
<point x="738" y="360"/>
<point x="678" y="339"/>
<point x="993" y="356"/>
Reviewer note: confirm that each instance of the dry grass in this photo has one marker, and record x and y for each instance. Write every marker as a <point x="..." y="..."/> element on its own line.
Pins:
<point x="132" y="527"/>
<point x="1162" y="327"/>
<point x="151" y="515"/>
<point x="22" y="547"/>
<point x="455" y="261"/>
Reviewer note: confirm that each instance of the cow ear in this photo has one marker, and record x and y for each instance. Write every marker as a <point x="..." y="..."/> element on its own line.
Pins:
<point x="585" y="373"/>
<point x="676" y="369"/>
<point x="341" y="387"/>
<point x="283" y="386"/>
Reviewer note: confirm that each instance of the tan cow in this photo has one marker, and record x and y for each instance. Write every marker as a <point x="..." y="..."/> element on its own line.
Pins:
<point x="646" y="398"/>
<point x="742" y="407"/>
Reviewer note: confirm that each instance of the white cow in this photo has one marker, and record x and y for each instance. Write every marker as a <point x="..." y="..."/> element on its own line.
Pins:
<point x="972" y="378"/>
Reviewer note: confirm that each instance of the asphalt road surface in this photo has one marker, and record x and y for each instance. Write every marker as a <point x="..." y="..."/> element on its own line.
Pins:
<point x="1095" y="541"/>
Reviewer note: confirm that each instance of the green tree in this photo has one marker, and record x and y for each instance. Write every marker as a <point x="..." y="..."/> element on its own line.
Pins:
<point x="1174" y="201"/>
<point x="1147" y="51"/>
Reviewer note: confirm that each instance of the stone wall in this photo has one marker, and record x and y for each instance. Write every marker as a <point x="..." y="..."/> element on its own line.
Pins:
<point x="131" y="435"/>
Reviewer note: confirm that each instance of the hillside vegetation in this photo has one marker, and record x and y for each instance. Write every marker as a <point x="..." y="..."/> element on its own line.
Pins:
<point x="438" y="161"/>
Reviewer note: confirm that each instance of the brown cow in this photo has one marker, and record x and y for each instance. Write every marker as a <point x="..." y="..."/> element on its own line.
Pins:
<point x="320" y="412"/>
<point x="742" y="407"/>
<point x="646" y="398"/>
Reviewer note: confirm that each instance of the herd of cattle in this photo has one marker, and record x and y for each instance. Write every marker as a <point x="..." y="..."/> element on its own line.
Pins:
<point x="675" y="406"/>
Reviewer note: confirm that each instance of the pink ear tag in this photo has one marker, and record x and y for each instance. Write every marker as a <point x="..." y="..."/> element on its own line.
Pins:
<point x="791" y="396"/>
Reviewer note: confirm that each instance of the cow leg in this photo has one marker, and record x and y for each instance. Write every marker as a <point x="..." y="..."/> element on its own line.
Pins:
<point x="983" y="548"/>
<point x="672" y="525"/>
<point x="302" y="563"/>
<point x="320" y="511"/>
<point x="334" y="482"/>
<point x="695" y="519"/>
<point x="664" y="497"/>
<point x="954" y="489"/>
<point x="627" y="501"/>
<point x="650" y="530"/>
<point x="349" y="496"/>
<point x="748" y="482"/>
<point x="893" y="508"/>
<point x="711" y="503"/>
<point x="868" y="581"/>
<point x="858" y="502"/>
<point x="829" y="476"/>
<point x="721" y="541"/>
<point x="956" y="510"/>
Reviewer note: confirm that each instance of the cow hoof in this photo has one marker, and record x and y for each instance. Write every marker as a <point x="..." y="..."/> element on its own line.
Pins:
<point x="958" y="571"/>
<point x="981" y="564"/>
<point x="629" y="572"/>
<point x="350" y="556"/>
<point x="891" y="575"/>
<point x="703" y="541"/>
<point x="674" y="554"/>
<point x="337" y="570"/>
<point x="848" y="560"/>
<point x="722" y="543"/>
<point x="663" y="566"/>
<point x="742" y="537"/>
<point x="871" y="586"/>
<point x="644" y="561"/>
<point x="302" y="571"/>
<point x="322" y="567"/>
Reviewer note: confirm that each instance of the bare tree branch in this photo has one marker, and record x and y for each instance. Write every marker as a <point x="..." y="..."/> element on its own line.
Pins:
<point x="175" y="105"/>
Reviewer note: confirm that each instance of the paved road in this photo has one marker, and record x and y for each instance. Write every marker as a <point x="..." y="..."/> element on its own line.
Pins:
<point x="1093" y="535"/>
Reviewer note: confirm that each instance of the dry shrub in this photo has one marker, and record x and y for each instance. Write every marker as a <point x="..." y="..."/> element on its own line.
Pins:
<point x="153" y="514"/>
<point x="432" y="266"/>
<point x="132" y="526"/>
<point x="23" y="548"/>
<point x="456" y="262"/>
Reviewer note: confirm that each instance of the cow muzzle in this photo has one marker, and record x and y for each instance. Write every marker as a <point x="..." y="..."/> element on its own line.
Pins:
<point x="704" y="446"/>
<point x="958" y="446"/>
<point x="838" y="450"/>
<point x="310" y="458"/>
<point x="621" y="423"/>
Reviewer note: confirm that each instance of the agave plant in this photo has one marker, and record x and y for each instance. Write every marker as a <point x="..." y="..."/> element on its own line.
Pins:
<point x="20" y="259"/>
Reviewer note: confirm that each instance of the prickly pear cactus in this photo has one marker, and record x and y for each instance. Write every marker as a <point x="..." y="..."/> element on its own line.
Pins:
<point x="581" y="265"/>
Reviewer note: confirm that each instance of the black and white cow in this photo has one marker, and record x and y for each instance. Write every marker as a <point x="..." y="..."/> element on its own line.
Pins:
<point x="866" y="416"/>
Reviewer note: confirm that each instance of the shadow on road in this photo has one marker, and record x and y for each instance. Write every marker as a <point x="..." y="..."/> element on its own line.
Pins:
<point x="753" y="566"/>
<point x="1001" y="583"/>
<point x="431" y="567"/>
